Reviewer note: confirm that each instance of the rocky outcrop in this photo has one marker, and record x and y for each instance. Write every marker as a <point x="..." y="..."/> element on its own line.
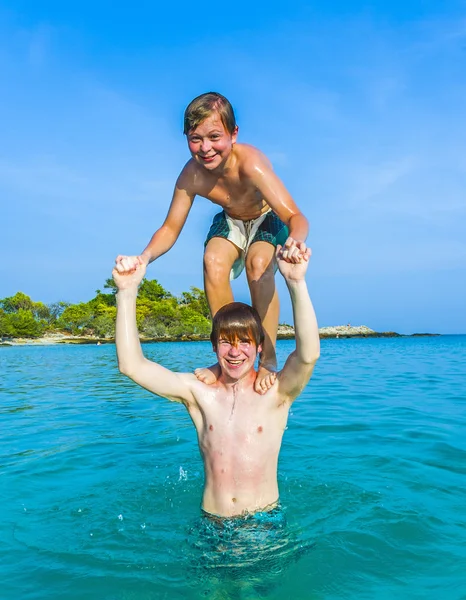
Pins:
<point x="345" y="331"/>
<point x="348" y="331"/>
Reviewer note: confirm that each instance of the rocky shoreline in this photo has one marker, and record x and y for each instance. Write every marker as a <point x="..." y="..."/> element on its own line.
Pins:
<point x="284" y="332"/>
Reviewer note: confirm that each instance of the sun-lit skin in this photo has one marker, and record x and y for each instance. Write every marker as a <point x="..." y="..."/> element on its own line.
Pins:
<point x="240" y="179"/>
<point x="239" y="430"/>
<point x="236" y="359"/>
<point x="210" y="144"/>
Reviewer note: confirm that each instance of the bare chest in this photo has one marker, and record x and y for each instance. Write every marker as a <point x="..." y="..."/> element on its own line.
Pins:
<point x="236" y="426"/>
<point x="239" y="198"/>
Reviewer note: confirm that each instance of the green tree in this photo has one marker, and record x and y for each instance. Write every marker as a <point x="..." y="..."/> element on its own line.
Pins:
<point x="193" y="322"/>
<point x="110" y="285"/>
<point x="104" y="324"/>
<point x="15" y="303"/>
<point x="107" y="299"/>
<point x="6" y="329"/>
<point x="75" y="318"/>
<point x="56" y="310"/>
<point x="197" y="300"/>
<point x="152" y="290"/>
<point x="41" y="311"/>
<point x="24" y="324"/>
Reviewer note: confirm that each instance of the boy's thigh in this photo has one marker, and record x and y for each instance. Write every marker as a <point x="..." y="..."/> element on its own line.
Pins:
<point x="221" y="252"/>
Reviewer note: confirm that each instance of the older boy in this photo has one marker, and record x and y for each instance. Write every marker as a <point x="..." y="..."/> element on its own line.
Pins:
<point x="258" y="213"/>
<point x="239" y="431"/>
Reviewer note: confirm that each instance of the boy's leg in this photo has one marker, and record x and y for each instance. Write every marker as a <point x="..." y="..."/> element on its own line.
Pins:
<point x="260" y="262"/>
<point x="219" y="256"/>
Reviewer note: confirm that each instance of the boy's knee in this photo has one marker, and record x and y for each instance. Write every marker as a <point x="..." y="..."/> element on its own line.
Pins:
<point x="215" y="265"/>
<point x="259" y="267"/>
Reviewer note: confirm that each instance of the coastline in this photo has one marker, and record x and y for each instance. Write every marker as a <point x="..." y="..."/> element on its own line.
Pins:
<point x="285" y="332"/>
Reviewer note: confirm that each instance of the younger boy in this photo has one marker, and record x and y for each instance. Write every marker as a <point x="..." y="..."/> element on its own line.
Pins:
<point x="258" y="213"/>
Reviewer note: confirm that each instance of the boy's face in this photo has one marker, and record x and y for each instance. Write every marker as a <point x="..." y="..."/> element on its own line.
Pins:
<point x="236" y="359"/>
<point x="210" y="144"/>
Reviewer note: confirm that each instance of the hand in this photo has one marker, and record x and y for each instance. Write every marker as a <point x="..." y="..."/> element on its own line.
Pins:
<point x="128" y="264"/>
<point x="296" y="270"/>
<point x="293" y="250"/>
<point x="128" y="272"/>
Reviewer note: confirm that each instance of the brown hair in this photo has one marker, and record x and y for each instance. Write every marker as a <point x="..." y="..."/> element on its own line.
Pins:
<point x="237" y="321"/>
<point x="203" y="106"/>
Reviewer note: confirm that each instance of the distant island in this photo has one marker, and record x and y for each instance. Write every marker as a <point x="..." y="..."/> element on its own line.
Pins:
<point x="160" y="316"/>
<point x="285" y="332"/>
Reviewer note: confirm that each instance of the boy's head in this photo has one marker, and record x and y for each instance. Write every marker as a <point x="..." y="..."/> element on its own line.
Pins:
<point x="237" y="337"/>
<point x="204" y="106"/>
<point x="237" y="322"/>
<point x="210" y="127"/>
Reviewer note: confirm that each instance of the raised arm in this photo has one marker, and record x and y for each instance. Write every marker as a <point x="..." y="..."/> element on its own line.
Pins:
<point x="131" y="360"/>
<point x="259" y="171"/>
<point x="165" y="237"/>
<point x="300" y="364"/>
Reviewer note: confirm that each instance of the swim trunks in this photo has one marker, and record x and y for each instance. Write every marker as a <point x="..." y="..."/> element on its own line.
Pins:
<point x="241" y="540"/>
<point x="266" y="228"/>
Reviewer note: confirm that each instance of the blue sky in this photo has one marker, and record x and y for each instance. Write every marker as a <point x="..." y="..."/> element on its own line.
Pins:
<point x="360" y="106"/>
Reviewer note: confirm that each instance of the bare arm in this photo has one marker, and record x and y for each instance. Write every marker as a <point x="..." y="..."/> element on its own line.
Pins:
<point x="131" y="360"/>
<point x="165" y="237"/>
<point x="274" y="192"/>
<point x="300" y="364"/>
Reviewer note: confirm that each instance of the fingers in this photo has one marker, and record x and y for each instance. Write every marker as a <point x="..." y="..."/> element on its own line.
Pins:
<point x="205" y="375"/>
<point x="293" y="251"/>
<point x="125" y="265"/>
<point x="263" y="384"/>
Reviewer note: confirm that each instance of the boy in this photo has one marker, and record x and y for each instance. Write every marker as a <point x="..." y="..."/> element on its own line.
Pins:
<point x="258" y="213"/>
<point x="239" y="431"/>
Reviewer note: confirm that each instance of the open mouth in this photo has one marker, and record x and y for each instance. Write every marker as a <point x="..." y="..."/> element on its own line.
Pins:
<point x="235" y="363"/>
<point x="207" y="158"/>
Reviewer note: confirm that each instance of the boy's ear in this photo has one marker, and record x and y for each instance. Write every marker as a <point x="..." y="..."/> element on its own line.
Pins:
<point x="234" y="135"/>
<point x="259" y="348"/>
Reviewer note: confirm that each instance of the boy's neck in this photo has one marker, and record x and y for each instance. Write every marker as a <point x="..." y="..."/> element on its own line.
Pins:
<point x="244" y="382"/>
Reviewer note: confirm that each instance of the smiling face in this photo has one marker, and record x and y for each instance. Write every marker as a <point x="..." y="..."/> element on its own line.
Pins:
<point x="210" y="143"/>
<point x="236" y="357"/>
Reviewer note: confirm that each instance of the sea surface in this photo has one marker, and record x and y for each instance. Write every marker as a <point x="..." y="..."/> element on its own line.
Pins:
<point x="100" y="481"/>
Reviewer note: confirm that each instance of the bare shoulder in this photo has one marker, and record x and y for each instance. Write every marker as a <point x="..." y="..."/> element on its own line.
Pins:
<point x="191" y="177"/>
<point x="197" y="388"/>
<point x="251" y="158"/>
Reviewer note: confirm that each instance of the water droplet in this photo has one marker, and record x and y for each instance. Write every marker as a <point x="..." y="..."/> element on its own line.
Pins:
<point x="183" y="475"/>
<point x="120" y="517"/>
<point x="143" y="525"/>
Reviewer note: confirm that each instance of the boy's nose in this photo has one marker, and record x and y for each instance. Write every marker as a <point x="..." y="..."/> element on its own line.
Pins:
<point x="234" y="350"/>
<point x="206" y="146"/>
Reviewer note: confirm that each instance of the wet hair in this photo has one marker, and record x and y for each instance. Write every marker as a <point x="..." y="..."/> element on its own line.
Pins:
<point x="237" y="322"/>
<point x="203" y="106"/>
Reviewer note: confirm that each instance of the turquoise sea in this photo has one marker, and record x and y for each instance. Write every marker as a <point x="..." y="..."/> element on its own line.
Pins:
<point x="100" y="482"/>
